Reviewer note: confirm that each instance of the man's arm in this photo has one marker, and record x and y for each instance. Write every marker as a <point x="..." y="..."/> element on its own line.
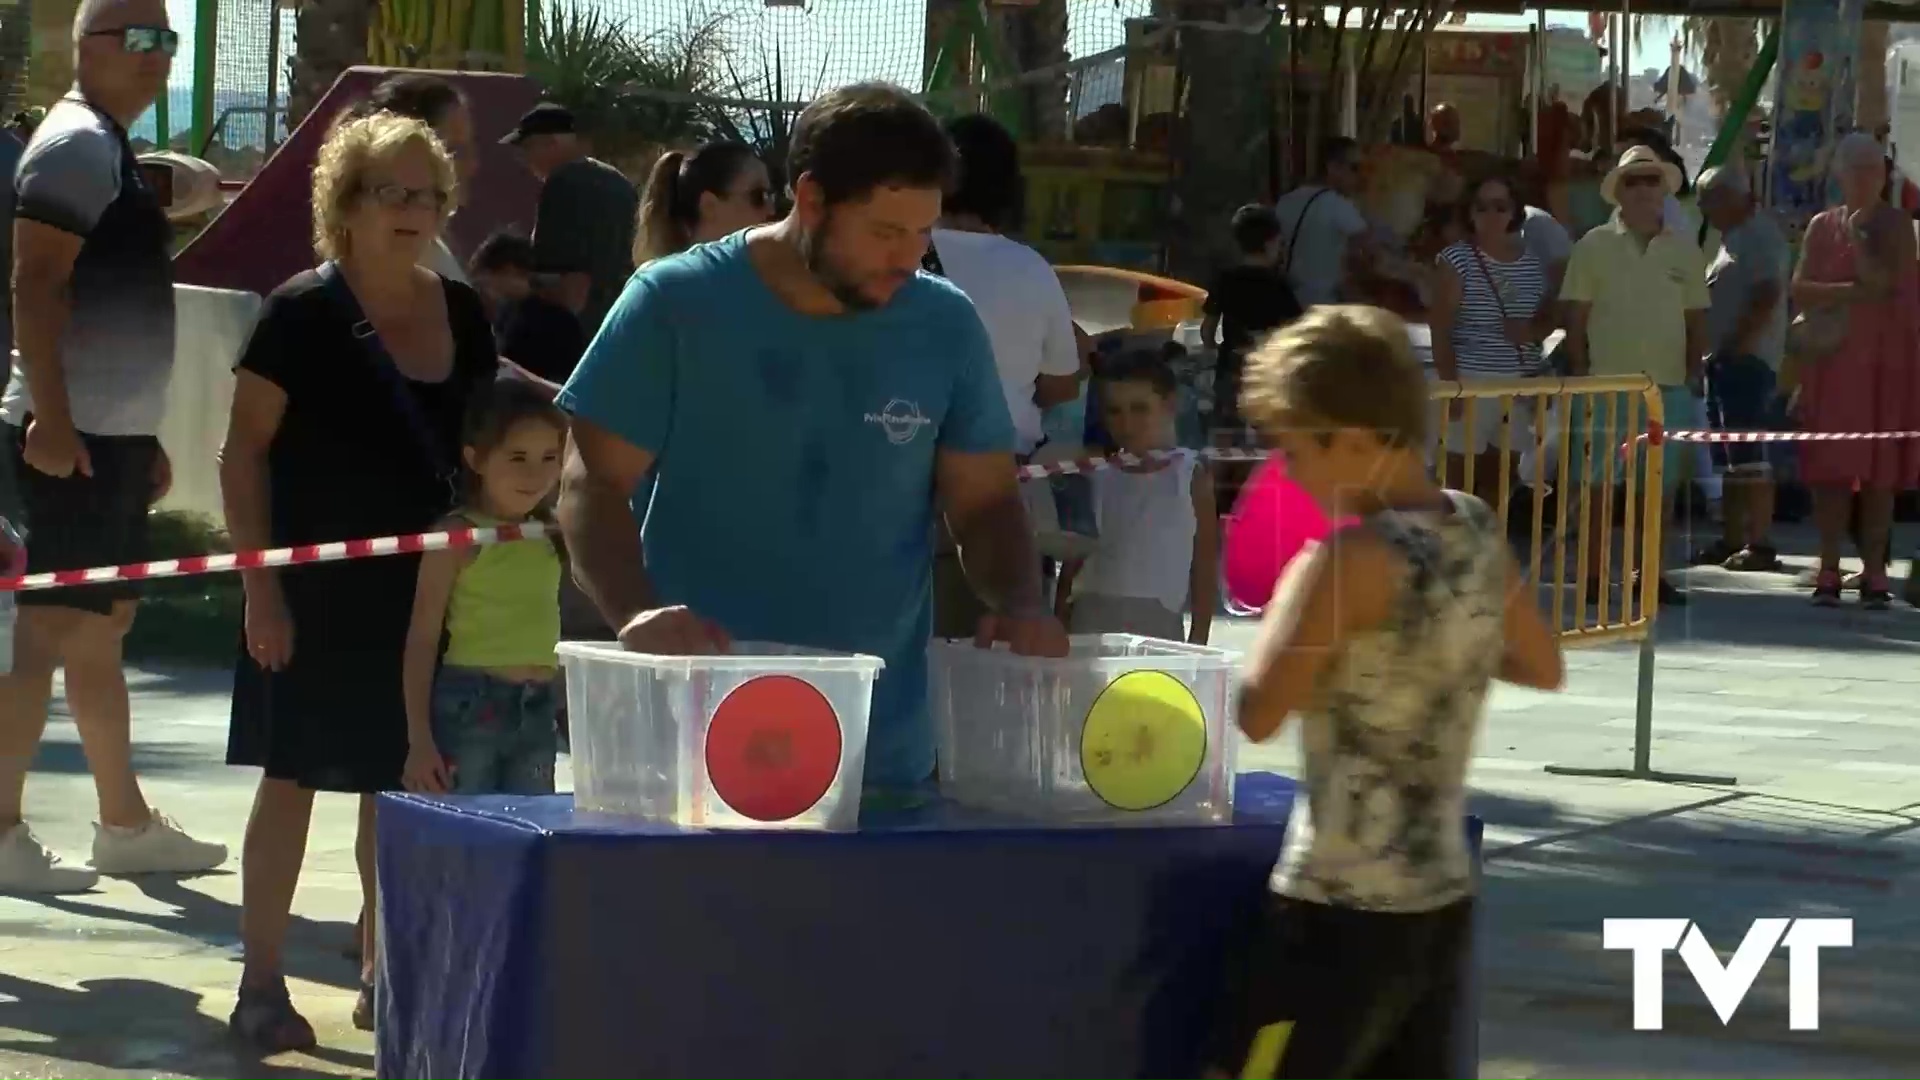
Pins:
<point x="980" y="496"/>
<point x="603" y="539"/>
<point x="42" y="270"/>
<point x="621" y="399"/>
<point x="61" y="189"/>
<point x="1577" y="292"/>
<point x="1061" y="365"/>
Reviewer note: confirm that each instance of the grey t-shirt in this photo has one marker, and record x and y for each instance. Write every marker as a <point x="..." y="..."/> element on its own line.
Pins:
<point x="1753" y="252"/>
<point x="117" y="349"/>
<point x="1316" y="232"/>
<point x="585" y="225"/>
<point x="1546" y="238"/>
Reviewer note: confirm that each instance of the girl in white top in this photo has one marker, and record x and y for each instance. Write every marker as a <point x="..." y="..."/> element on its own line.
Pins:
<point x="1159" y="535"/>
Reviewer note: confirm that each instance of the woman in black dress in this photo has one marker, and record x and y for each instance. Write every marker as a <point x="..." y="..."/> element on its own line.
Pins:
<point x="345" y="425"/>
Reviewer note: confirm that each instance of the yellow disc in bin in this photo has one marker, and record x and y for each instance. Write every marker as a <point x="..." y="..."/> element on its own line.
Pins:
<point x="1144" y="740"/>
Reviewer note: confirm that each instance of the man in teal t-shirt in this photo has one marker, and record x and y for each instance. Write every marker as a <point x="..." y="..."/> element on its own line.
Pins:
<point x="806" y="400"/>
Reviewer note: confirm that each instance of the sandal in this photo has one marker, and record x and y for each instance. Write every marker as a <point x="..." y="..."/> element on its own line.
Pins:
<point x="363" y="1008"/>
<point x="265" y="1019"/>
<point x="1754" y="558"/>
<point x="1826" y="589"/>
<point x="1875" y="595"/>
<point x="1715" y="554"/>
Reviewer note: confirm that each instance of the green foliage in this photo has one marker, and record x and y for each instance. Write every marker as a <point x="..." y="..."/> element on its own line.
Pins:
<point x="190" y="620"/>
<point x="627" y="91"/>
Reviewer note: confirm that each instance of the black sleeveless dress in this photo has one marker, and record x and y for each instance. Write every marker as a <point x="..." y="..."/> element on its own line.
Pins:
<point x="346" y="464"/>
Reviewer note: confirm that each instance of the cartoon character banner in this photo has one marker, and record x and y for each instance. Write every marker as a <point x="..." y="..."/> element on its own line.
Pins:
<point x="1819" y="46"/>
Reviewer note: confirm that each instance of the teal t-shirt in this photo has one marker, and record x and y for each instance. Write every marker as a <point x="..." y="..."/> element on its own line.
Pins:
<point x="793" y="490"/>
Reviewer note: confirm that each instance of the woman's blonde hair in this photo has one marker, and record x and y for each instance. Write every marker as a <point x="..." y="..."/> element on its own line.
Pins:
<point x="1339" y="366"/>
<point x="351" y="150"/>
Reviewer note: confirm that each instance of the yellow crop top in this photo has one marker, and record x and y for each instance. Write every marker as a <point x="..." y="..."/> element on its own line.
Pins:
<point x="505" y="607"/>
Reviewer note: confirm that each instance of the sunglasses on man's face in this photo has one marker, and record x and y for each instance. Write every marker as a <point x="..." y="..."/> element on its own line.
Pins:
<point x="143" y="39"/>
<point x="1640" y="180"/>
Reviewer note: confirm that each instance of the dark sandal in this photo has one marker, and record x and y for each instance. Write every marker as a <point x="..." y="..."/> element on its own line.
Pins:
<point x="363" y="1008"/>
<point x="265" y="1019"/>
<point x="1756" y="558"/>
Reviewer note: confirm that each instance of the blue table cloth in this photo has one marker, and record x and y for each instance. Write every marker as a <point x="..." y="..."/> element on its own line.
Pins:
<point x="519" y="939"/>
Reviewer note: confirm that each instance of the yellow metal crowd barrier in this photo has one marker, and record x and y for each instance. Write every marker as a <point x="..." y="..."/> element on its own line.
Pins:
<point x="1556" y="443"/>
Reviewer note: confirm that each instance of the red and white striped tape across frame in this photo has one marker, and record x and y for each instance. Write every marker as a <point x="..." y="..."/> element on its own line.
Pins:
<point x="345" y="550"/>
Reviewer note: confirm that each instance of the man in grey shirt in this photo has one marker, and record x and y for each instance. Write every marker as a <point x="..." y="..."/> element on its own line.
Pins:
<point x="1747" y="330"/>
<point x="93" y="292"/>
<point x="583" y="229"/>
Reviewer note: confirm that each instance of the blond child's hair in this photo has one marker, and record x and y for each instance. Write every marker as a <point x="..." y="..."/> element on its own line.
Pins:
<point x="1339" y="366"/>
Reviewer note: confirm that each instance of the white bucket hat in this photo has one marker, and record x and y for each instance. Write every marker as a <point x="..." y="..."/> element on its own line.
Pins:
<point x="1641" y="160"/>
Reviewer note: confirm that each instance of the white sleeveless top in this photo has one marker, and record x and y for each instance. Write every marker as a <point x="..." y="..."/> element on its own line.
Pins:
<point x="1146" y="526"/>
<point x="1379" y="823"/>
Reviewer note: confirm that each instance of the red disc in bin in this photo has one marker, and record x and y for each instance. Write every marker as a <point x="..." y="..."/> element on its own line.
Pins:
<point x="773" y="747"/>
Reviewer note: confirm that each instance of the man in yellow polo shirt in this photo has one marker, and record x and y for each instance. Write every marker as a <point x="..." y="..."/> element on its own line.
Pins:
<point x="1637" y="300"/>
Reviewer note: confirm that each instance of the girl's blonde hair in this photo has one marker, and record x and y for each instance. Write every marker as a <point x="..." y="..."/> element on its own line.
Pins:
<point x="1339" y="366"/>
<point x="352" y="149"/>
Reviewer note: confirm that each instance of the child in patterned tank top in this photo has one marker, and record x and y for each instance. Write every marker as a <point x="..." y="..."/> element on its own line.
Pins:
<point x="483" y="717"/>
<point x="1384" y="638"/>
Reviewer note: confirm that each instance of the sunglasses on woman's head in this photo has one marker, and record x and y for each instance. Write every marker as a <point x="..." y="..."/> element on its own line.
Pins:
<point x="143" y="39"/>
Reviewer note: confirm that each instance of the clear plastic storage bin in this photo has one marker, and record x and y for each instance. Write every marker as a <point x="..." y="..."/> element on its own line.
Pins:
<point x="770" y="736"/>
<point x="1125" y="730"/>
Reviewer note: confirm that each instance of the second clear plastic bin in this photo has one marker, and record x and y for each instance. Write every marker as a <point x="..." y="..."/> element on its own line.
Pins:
<point x="1125" y="730"/>
<point x="769" y="737"/>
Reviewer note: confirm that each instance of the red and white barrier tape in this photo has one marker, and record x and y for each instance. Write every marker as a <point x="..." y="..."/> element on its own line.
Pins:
<point x="1081" y="465"/>
<point x="461" y="538"/>
<point x="288" y="556"/>
<point x="455" y="538"/>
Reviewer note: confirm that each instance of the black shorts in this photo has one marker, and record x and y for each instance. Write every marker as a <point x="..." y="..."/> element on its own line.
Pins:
<point x="77" y="522"/>
<point x="1324" y="991"/>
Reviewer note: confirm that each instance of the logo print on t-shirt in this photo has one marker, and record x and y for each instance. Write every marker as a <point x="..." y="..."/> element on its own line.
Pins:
<point x="900" y="419"/>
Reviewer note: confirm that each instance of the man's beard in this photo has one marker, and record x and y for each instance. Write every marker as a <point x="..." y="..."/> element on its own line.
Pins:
<point x="813" y="248"/>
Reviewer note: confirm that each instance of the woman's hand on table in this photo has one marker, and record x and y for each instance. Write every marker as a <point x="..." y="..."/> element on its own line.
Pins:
<point x="426" y="772"/>
<point x="674" y="631"/>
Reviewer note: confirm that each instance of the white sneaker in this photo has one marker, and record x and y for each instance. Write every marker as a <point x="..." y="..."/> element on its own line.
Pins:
<point x="158" y="847"/>
<point x="26" y="867"/>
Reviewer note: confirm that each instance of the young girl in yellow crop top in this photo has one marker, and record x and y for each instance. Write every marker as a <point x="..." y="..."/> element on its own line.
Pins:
<point x="486" y="721"/>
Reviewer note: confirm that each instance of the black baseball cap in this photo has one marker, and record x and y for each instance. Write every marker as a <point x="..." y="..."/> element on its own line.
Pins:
<point x="546" y="118"/>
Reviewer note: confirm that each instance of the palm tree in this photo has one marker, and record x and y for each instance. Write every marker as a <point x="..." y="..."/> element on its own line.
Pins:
<point x="634" y="95"/>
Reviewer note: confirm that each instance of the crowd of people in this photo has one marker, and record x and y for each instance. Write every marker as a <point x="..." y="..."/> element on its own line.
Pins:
<point x="1695" y="295"/>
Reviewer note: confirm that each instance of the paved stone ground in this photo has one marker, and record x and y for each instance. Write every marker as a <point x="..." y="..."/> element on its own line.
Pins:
<point x="1813" y="711"/>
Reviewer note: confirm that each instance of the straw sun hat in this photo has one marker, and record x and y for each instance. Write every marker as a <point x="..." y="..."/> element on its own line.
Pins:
<point x="1640" y="160"/>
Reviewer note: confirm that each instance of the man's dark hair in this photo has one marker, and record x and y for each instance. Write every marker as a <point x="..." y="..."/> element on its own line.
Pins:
<point x="1148" y="366"/>
<point x="990" y="186"/>
<point x="1254" y="227"/>
<point x="865" y="136"/>
<point x="1335" y="149"/>
<point x="426" y="98"/>
<point x="507" y="249"/>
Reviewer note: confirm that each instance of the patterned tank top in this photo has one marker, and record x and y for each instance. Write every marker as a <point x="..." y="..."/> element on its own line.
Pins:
<point x="1380" y="822"/>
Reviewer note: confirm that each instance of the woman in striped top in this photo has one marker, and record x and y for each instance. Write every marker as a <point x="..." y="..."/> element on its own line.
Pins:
<point x="1489" y="316"/>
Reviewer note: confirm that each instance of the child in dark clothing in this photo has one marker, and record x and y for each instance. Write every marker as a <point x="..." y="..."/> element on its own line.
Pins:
<point x="1245" y="302"/>
<point x="529" y="329"/>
